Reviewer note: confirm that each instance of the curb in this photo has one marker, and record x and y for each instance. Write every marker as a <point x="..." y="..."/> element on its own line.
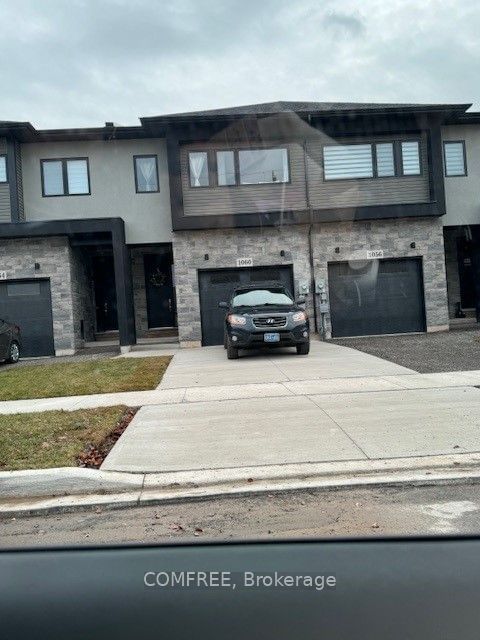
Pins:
<point x="42" y="492"/>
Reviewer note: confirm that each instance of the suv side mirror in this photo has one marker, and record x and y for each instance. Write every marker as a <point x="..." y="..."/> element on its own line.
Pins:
<point x="223" y="305"/>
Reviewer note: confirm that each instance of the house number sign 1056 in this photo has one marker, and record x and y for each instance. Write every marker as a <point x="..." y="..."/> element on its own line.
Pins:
<point x="244" y="262"/>
<point x="375" y="253"/>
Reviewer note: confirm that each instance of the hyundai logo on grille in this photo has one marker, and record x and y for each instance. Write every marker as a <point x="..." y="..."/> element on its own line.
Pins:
<point x="270" y="320"/>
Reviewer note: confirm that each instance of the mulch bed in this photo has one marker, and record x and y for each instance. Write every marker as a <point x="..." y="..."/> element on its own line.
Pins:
<point x="94" y="455"/>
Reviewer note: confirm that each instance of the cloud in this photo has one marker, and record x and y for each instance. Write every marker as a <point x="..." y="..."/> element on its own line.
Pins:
<point x="343" y="22"/>
<point x="82" y="62"/>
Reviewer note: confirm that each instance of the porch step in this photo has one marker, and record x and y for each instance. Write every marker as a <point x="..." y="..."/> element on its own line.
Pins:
<point x="463" y="323"/>
<point x="168" y="335"/>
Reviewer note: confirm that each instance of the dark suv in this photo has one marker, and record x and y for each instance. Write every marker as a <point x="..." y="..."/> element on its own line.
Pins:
<point x="264" y="315"/>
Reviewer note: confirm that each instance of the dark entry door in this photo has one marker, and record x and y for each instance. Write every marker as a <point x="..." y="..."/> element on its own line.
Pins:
<point x="159" y="290"/>
<point x="105" y="294"/>
<point x="466" y="274"/>
<point x="376" y="297"/>
<point x="217" y="286"/>
<point x="28" y="304"/>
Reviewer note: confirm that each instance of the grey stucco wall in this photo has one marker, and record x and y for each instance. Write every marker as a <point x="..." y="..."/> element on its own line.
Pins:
<point x="147" y="215"/>
<point x="264" y="246"/>
<point x="462" y="193"/>
<point x="18" y="257"/>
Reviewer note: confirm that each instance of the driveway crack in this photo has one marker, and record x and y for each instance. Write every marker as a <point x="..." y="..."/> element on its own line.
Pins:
<point x="340" y="427"/>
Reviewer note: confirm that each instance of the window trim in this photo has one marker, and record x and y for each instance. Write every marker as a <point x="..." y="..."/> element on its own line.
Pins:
<point x="458" y="175"/>
<point x="65" y="193"/>
<point x="397" y="160"/>
<point x="420" y="163"/>
<point x="4" y="155"/>
<point x="209" y="169"/>
<point x="145" y="155"/>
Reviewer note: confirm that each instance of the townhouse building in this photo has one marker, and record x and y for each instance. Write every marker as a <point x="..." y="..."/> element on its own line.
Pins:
<point x="366" y="210"/>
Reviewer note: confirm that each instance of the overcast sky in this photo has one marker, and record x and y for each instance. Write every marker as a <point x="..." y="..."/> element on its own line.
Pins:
<point x="83" y="62"/>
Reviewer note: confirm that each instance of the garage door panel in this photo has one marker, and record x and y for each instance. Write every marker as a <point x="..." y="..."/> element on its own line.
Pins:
<point x="217" y="285"/>
<point x="377" y="297"/>
<point x="28" y="304"/>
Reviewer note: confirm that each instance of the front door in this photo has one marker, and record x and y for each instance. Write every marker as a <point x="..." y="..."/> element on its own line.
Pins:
<point x="159" y="290"/>
<point x="466" y="273"/>
<point x="105" y="293"/>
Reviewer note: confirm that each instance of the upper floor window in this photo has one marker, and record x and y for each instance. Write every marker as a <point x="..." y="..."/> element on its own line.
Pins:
<point x="372" y="160"/>
<point x="146" y="174"/>
<point x="348" y="161"/>
<point x="385" y="158"/>
<point x="455" y="158"/>
<point x="263" y="166"/>
<point x="226" y="168"/>
<point x="65" y="177"/>
<point x="198" y="165"/>
<point x="3" y="168"/>
<point x="410" y="158"/>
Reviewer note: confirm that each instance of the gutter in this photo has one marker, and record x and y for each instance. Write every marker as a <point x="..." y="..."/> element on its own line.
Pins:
<point x="310" y="229"/>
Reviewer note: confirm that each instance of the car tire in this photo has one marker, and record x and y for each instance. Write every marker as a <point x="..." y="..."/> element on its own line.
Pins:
<point x="303" y="349"/>
<point x="14" y="352"/>
<point x="232" y="352"/>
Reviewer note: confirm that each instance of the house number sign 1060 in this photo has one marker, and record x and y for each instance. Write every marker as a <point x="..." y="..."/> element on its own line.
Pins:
<point x="244" y="262"/>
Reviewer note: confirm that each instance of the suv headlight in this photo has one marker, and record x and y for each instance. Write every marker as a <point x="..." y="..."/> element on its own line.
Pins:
<point x="299" y="316"/>
<point x="233" y="319"/>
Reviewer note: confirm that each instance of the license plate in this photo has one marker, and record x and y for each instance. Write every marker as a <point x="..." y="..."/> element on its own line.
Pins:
<point x="271" y="337"/>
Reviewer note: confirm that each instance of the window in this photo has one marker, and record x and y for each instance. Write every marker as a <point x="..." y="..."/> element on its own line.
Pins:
<point x="410" y="158"/>
<point x="348" y="161"/>
<point x="385" y="159"/>
<point x="455" y="159"/>
<point x="65" y="177"/>
<point x="226" y="168"/>
<point x="3" y="168"/>
<point x="198" y="163"/>
<point x="146" y="174"/>
<point x="263" y="166"/>
<point x="23" y="289"/>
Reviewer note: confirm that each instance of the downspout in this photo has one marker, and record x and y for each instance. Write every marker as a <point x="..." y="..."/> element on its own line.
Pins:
<point x="310" y="229"/>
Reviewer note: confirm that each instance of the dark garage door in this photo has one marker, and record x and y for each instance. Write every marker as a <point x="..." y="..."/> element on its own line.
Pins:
<point x="218" y="285"/>
<point x="28" y="304"/>
<point x="376" y="297"/>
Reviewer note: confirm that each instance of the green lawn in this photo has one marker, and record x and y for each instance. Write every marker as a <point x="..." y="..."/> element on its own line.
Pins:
<point x="105" y="375"/>
<point x="53" y="438"/>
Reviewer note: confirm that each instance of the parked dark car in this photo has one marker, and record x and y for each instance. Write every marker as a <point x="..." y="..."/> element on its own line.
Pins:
<point x="264" y="315"/>
<point x="9" y="342"/>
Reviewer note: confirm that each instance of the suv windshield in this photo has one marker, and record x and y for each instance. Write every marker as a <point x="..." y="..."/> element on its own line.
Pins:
<point x="261" y="297"/>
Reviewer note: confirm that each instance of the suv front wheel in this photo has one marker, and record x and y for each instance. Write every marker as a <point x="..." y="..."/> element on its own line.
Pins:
<point x="303" y="349"/>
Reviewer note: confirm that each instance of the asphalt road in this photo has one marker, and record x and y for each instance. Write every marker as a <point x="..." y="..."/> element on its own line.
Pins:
<point x="430" y="510"/>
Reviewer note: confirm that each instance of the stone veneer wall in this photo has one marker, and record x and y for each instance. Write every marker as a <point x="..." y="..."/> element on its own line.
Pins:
<point x="139" y="292"/>
<point x="264" y="246"/>
<point x="83" y="305"/>
<point x="18" y="257"/>
<point x="451" y="234"/>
